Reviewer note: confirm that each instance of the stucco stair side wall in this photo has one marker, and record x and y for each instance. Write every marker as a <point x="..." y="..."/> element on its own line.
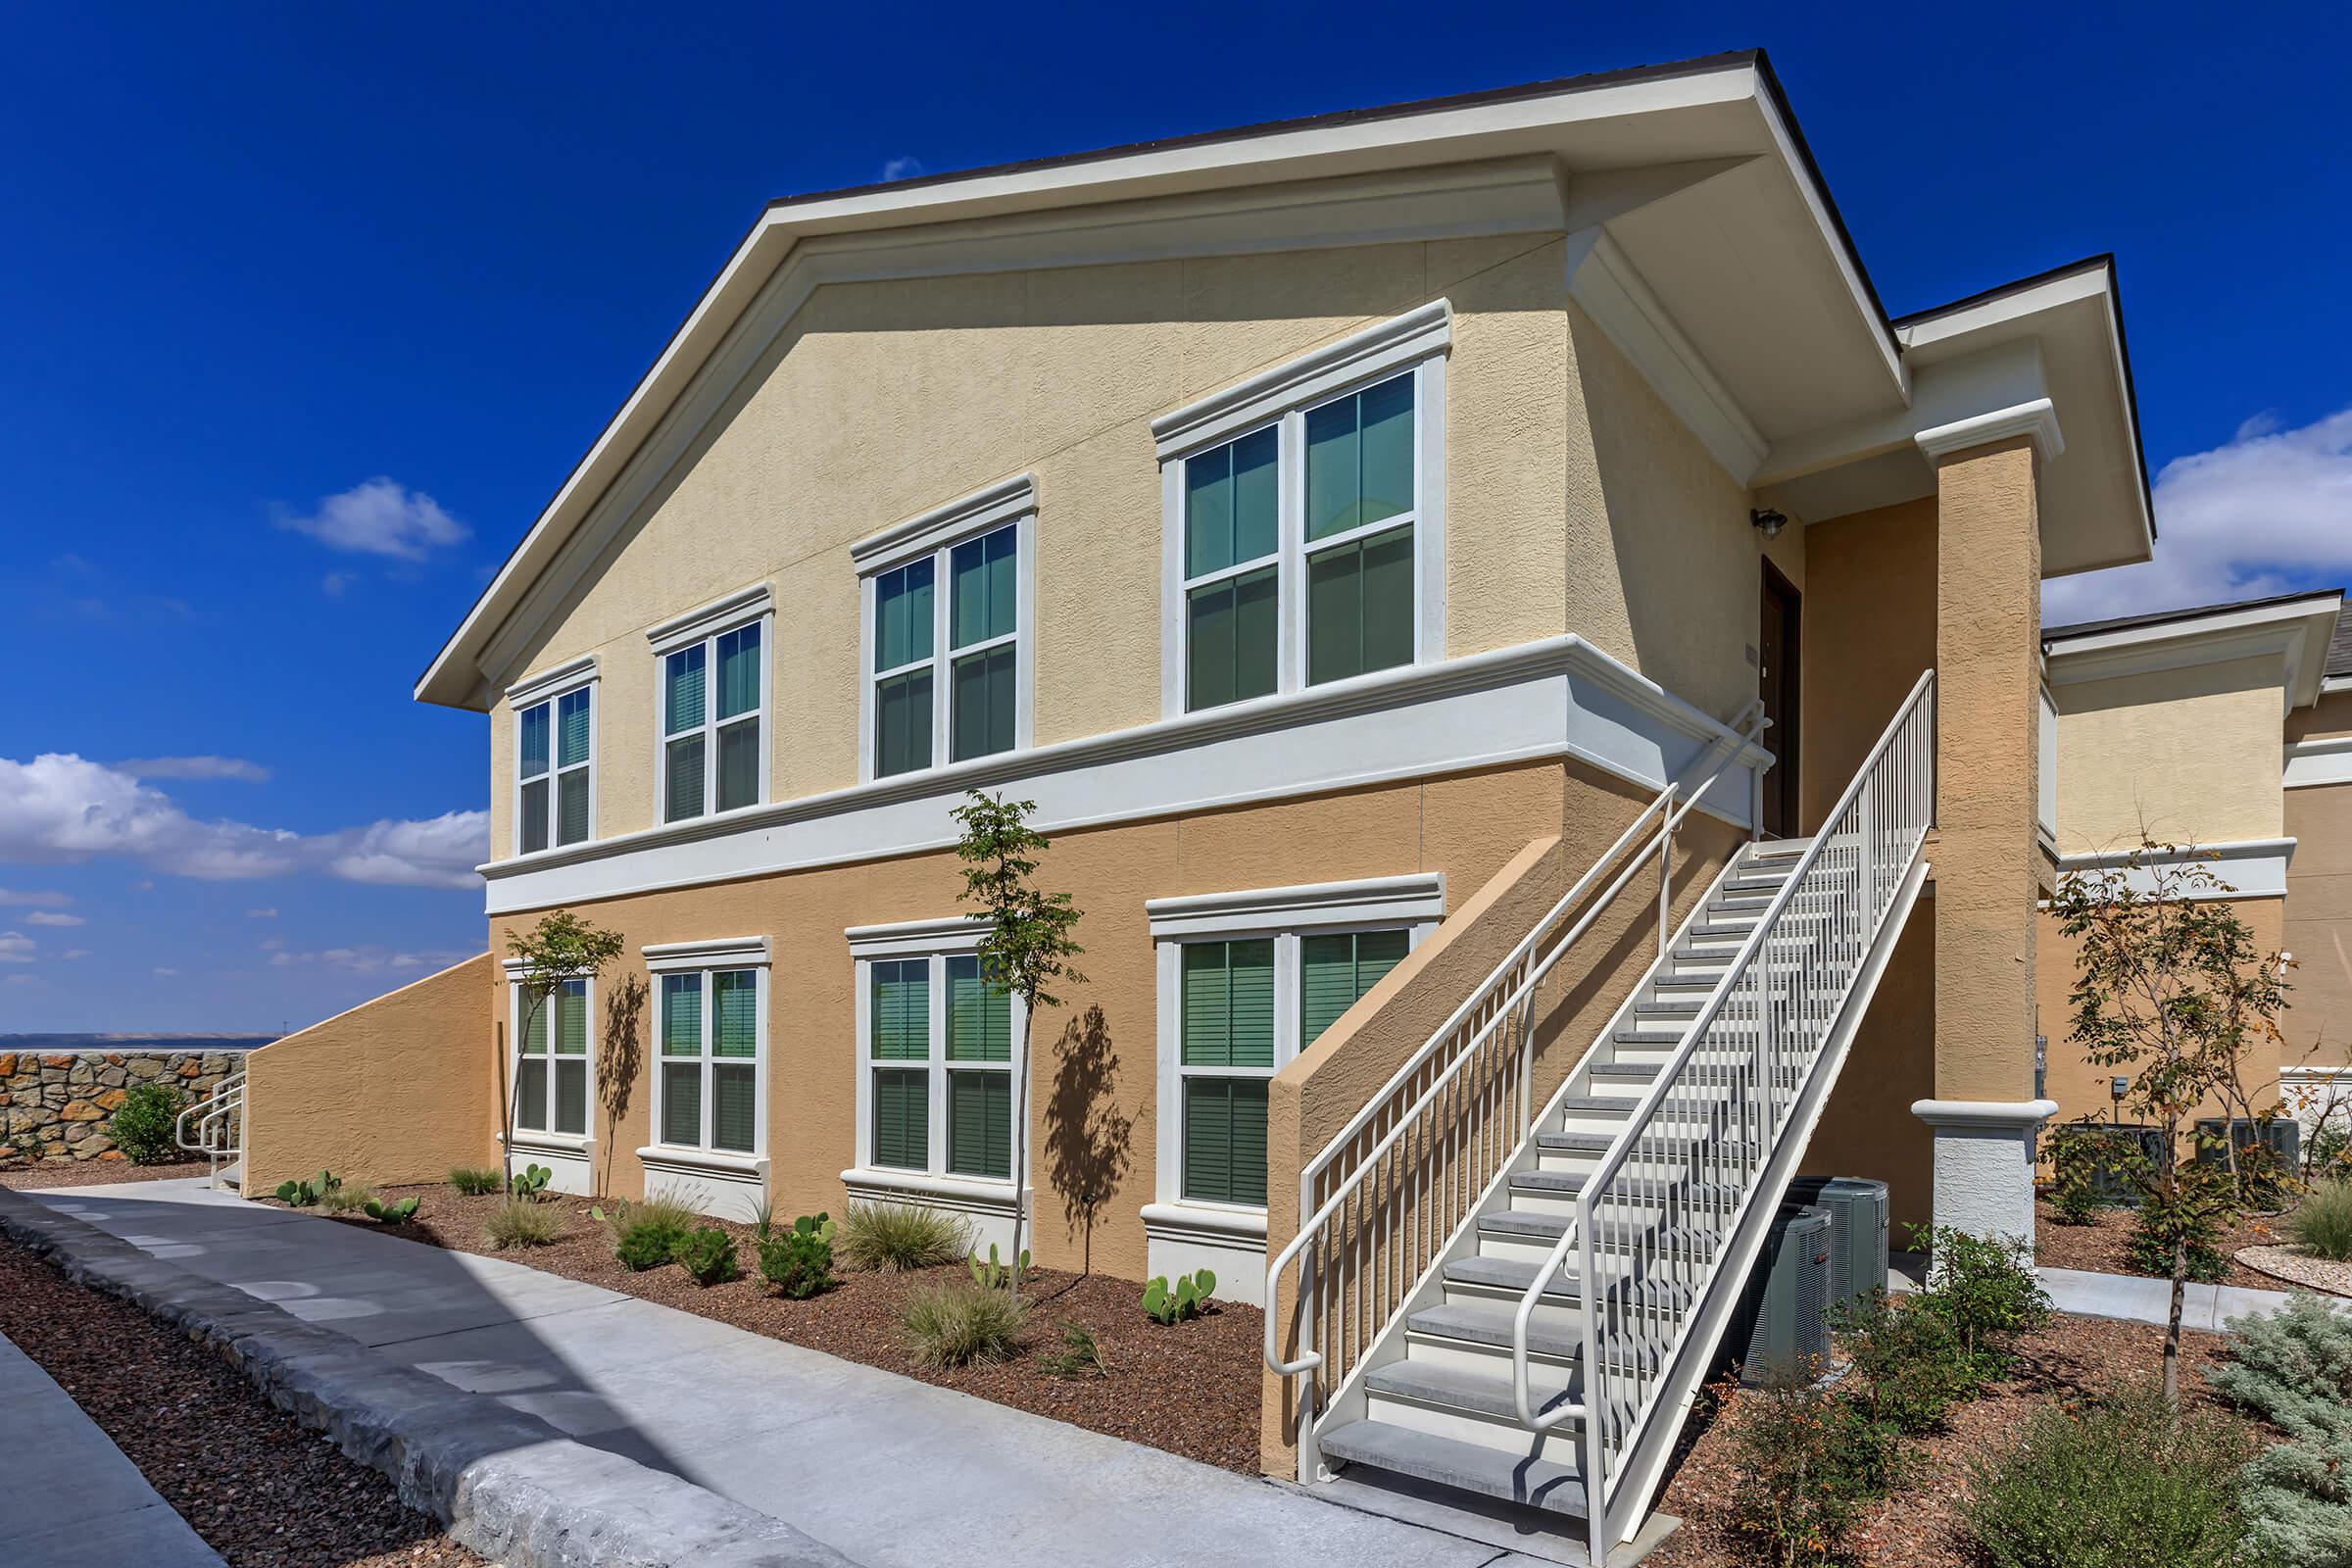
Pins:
<point x="1869" y="628"/>
<point x="2318" y="927"/>
<point x="881" y="400"/>
<point x="2182" y="756"/>
<point x="1313" y="1097"/>
<point x="399" y="1089"/>
<point x="1867" y="1128"/>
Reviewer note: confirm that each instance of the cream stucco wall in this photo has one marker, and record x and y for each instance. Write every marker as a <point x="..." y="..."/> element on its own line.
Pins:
<point x="1575" y="502"/>
<point x="2188" y="756"/>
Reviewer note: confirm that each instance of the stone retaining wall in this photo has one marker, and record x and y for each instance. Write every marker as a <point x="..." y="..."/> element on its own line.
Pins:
<point x="58" y="1106"/>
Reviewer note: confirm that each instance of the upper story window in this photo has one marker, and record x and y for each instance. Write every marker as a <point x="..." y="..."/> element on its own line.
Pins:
<point x="947" y="676"/>
<point x="935" y="1053"/>
<point x="554" y="757"/>
<point x="712" y="1022"/>
<point x="1305" y="520"/>
<point x="712" y="707"/>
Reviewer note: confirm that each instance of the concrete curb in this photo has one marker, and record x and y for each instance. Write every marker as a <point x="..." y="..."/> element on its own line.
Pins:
<point x="507" y="1484"/>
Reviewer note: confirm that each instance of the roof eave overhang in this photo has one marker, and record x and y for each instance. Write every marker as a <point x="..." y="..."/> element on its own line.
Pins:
<point x="2294" y="631"/>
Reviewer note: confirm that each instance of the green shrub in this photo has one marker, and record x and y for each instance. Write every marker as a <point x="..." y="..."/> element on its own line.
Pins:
<point x="1807" y="1465"/>
<point x="1164" y="1304"/>
<point x="957" y="1325"/>
<point x="2327" y="1152"/>
<point x="474" y="1181"/>
<point x="143" y="1126"/>
<point x="2122" y="1483"/>
<point x="1983" y="1286"/>
<point x="397" y="1213"/>
<point x="2149" y="1248"/>
<point x="707" y="1255"/>
<point x="2078" y="1154"/>
<point x="1078" y="1356"/>
<point x="798" y="1262"/>
<point x="519" y="1222"/>
<point x="649" y="1244"/>
<point x="2293" y="1368"/>
<point x="2322" y="1223"/>
<point x="897" y="1237"/>
<point x="1908" y="1366"/>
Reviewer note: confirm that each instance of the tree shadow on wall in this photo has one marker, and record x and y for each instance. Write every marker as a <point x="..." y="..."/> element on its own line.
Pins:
<point x="1088" y="1137"/>
<point x="620" y="1052"/>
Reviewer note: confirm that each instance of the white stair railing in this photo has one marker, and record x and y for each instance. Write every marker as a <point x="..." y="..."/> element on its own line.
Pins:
<point x="215" y="1126"/>
<point x="1381" y="1200"/>
<point x="1681" y="1177"/>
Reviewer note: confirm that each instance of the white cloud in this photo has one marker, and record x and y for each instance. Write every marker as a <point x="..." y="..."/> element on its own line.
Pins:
<point x="261" y="914"/>
<point x="368" y="959"/>
<point x="382" y="517"/>
<point x="16" y="948"/>
<point x="52" y="917"/>
<point x="20" y="980"/>
<point x="234" y="767"/>
<point x="62" y="807"/>
<point x="2270" y="511"/>
<point x="72" y="954"/>
<point x="904" y="167"/>
<point x="335" y="583"/>
<point x="166" y="973"/>
<point x="39" y="898"/>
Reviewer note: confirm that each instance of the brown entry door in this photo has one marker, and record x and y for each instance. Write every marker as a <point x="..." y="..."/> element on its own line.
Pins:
<point x="1778" y="684"/>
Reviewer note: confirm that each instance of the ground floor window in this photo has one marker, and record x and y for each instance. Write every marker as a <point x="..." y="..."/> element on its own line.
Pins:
<point x="550" y="1060"/>
<point x="935" y="1055"/>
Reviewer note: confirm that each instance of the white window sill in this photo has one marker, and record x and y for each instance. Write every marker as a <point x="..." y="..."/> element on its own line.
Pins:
<point x="1210" y="1223"/>
<point x="968" y="1193"/>
<point x="715" y="1165"/>
<point x="526" y="1140"/>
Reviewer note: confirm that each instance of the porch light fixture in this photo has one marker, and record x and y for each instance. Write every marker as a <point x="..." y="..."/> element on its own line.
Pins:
<point x="1767" y="521"/>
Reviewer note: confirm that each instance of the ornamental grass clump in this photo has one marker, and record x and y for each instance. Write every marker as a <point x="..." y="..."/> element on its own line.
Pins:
<point x="2122" y="1482"/>
<point x="896" y="1238"/>
<point x="2293" y="1369"/>
<point x="950" y="1326"/>
<point x="2322" y="1224"/>
<point x="475" y="1182"/>
<point x="521" y="1222"/>
<point x="346" y="1198"/>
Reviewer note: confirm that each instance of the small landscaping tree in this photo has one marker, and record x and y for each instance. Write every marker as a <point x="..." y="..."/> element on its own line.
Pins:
<point x="1027" y="950"/>
<point x="560" y="947"/>
<point x="2169" y="989"/>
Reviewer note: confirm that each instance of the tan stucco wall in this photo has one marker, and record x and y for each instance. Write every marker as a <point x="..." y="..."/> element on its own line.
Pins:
<point x="1574" y="501"/>
<point x="2186" y="755"/>
<point x="1867" y="1129"/>
<point x="396" y="1090"/>
<point x="2318" y="927"/>
<point x="1869" y="632"/>
<point x="1466" y="826"/>
<point x="2331" y="715"/>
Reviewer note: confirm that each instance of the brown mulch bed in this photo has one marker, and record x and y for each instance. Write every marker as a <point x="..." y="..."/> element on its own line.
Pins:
<point x="93" y="1172"/>
<point x="263" y="1492"/>
<point x="2101" y="1245"/>
<point x="1190" y="1389"/>
<point x="1918" y="1525"/>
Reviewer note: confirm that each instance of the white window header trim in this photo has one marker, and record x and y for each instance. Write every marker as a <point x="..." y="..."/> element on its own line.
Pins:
<point x="954" y="934"/>
<point x="983" y="510"/>
<point x="1392" y="345"/>
<point x="720" y="952"/>
<point x="1415" y="897"/>
<point x="532" y="690"/>
<point x="709" y="620"/>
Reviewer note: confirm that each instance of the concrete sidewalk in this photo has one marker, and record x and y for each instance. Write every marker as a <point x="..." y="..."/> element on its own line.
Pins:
<point x="891" y="1472"/>
<point x="71" y="1498"/>
<point x="2143" y="1300"/>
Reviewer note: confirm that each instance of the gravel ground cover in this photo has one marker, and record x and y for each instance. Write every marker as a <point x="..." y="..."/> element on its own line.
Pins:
<point x="2101" y="1246"/>
<point x="1191" y="1388"/>
<point x="92" y="1173"/>
<point x="1917" y="1526"/>
<point x="2294" y="1265"/>
<point x="263" y="1490"/>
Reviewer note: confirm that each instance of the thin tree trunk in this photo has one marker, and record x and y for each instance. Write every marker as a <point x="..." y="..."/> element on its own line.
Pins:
<point x="2172" y="1328"/>
<point x="1020" y="1146"/>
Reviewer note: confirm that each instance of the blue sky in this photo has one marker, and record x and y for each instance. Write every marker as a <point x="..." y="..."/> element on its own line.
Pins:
<point x="306" y="309"/>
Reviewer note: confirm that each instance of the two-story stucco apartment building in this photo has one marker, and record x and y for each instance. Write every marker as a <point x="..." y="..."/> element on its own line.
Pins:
<point x="1377" y="544"/>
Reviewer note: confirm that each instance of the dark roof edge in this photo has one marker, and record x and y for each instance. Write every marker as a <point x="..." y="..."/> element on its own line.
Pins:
<point x="2160" y="617"/>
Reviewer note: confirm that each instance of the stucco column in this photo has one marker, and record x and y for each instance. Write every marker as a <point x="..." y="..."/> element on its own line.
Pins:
<point x="1987" y="686"/>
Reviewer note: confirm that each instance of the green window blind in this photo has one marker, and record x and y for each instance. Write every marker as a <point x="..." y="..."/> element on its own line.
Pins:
<point x="902" y="1009"/>
<point x="534" y="815"/>
<point x="683" y="796"/>
<point x="1359" y="606"/>
<point x="572" y="729"/>
<point x="1231" y="638"/>
<point x="983" y="588"/>
<point x="1228" y="1003"/>
<point x="1225" y="1140"/>
<point x="903" y="615"/>
<point x="572" y="1095"/>
<point x="571" y="807"/>
<point x="1335" y="970"/>
<point x="530" y="742"/>
<point x="983" y="720"/>
<point x="734" y="1088"/>
<point x="739" y="764"/>
<point x="1359" y="458"/>
<point x="980" y="1123"/>
<point x="903" y="1118"/>
<point x="570" y="1001"/>
<point x="1231" y="502"/>
<point x="739" y="671"/>
<point x="735" y="1016"/>
<point x="682" y="1102"/>
<point x="903" y="724"/>
<point x="681" y="1015"/>
<point x="682" y="696"/>
<point x="530" y="1093"/>
<point x="535" y="1028"/>
<point x="979" y="1015"/>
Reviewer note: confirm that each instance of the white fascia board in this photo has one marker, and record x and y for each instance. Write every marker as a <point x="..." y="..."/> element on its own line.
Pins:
<point x="1549" y="699"/>
<point x="1944" y="394"/>
<point x="984" y="509"/>
<point x="2296" y="632"/>
<point x="2252" y="868"/>
<point x="2324" y="760"/>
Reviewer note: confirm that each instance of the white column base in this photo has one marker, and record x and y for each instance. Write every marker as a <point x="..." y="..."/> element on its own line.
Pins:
<point x="1983" y="1174"/>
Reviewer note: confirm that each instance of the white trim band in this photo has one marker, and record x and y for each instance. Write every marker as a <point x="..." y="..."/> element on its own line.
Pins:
<point x="2006" y="1115"/>
<point x="706" y="1162"/>
<point x="720" y="953"/>
<point x="961" y="1193"/>
<point x="570" y="675"/>
<point x="984" y="509"/>
<point x="1374" y="351"/>
<point x="2038" y="418"/>
<point x="709" y="620"/>
<point x="1202" y="1222"/>
<point x="2324" y="760"/>
<point x="2249" y="868"/>
<point x="1376" y="901"/>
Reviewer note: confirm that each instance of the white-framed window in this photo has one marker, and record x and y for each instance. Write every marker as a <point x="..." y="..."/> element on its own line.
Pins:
<point x="711" y="706"/>
<point x="710" y="1028"/>
<point x="1247" y="981"/>
<point x="552" y="1065"/>
<point x="948" y="638"/>
<point x="1303" y="528"/>
<point x="935" y="1090"/>
<point x="554" y="757"/>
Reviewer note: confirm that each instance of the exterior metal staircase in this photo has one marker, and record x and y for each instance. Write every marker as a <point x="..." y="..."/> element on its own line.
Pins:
<point x="1543" y="1349"/>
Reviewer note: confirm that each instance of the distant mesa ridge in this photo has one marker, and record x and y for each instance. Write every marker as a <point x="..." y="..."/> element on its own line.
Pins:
<point x="133" y="1041"/>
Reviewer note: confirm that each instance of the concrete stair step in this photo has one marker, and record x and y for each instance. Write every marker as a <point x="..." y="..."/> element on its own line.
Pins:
<point x="1486" y="1393"/>
<point x="1511" y="1478"/>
